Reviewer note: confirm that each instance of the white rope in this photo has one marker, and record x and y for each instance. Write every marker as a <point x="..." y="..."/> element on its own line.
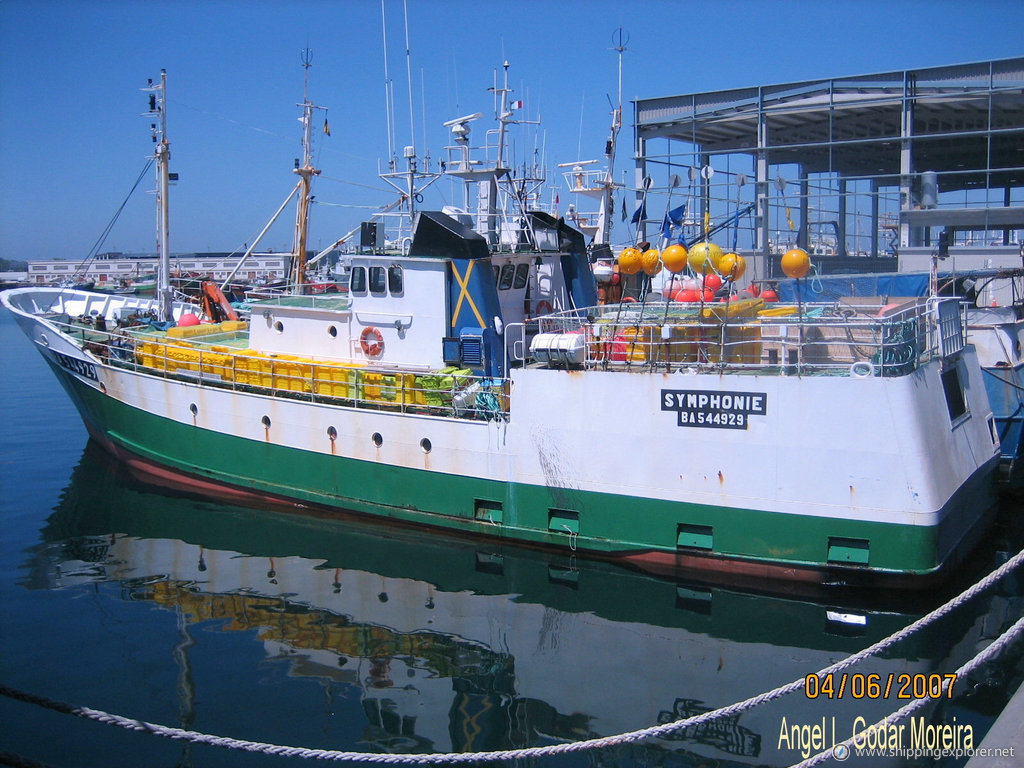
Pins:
<point x="570" y="747"/>
<point x="995" y="648"/>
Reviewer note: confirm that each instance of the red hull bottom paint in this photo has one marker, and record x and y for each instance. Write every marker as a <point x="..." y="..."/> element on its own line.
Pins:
<point x="681" y="566"/>
<point x="169" y="479"/>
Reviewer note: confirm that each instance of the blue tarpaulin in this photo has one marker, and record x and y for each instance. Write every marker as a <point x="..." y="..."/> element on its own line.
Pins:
<point x="832" y="287"/>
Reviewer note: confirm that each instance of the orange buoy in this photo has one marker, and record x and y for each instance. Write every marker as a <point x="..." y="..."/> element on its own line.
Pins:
<point x="674" y="258"/>
<point x="732" y="265"/>
<point x="796" y="263"/>
<point x="650" y="261"/>
<point x="630" y="261"/>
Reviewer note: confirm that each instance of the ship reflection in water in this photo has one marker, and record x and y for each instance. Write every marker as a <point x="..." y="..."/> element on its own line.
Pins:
<point x="354" y="636"/>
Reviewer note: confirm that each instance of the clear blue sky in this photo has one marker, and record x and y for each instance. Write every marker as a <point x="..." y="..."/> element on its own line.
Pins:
<point x="72" y="138"/>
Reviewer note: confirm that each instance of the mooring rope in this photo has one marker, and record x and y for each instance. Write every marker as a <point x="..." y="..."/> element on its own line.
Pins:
<point x="570" y="747"/>
<point x="986" y="655"/>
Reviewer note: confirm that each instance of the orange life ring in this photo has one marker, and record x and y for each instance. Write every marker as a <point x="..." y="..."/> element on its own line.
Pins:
<point x="371" y="341"/>
<point x="543" y="307"/>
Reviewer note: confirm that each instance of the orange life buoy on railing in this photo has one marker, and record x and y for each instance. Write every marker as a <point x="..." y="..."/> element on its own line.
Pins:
<point x="371" y="341"/>
<point x="543" y="307"/>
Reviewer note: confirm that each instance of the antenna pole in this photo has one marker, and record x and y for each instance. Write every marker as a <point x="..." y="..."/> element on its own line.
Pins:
<point x="605" y="225"/>
<point x="503" y="117"/>
<point x="408" y="74"/>
<point x="387" y="91"/>
<point x="162" y="155"/>
<point x="410" y="151"/>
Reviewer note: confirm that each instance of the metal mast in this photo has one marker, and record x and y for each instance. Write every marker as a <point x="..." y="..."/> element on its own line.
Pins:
<point x="604" y="229"/>
<point x="306" y="172"/>
<point x="162" y="155"/>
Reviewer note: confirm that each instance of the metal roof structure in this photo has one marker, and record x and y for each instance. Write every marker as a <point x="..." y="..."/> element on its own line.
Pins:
<point x="966" y="119"/>
<point x="891" y="132"/>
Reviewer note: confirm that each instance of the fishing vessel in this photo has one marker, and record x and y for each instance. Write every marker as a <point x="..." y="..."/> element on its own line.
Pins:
<point x="469" y="380"/>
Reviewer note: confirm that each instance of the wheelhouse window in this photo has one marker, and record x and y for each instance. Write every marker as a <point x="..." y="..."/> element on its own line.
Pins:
<point x="507" y="274"/>
<point x="395" y="280"/>
<point x="357" y="280"/>
<point x="378" y="280"/>
<point x="522" y="273"/>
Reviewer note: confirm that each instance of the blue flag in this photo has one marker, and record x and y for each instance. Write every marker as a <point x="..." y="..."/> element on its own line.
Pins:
<point x="673" y="218"/>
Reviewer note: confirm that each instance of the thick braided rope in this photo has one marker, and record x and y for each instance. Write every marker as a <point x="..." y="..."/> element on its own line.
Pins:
<point x="546" y="751"/>
<point x="996" y="647"/>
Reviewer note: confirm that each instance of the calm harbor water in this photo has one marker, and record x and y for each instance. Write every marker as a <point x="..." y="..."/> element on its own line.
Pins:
<point x="266" y="626"/>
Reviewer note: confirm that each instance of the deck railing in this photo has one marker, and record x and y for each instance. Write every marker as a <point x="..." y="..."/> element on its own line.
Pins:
<point x="213" y="362"/>
<point x="811" y="339"/>
<point x="820" y="339"/>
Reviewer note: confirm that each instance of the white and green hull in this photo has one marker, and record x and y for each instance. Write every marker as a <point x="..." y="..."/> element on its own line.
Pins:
<point x="830" y="477"/>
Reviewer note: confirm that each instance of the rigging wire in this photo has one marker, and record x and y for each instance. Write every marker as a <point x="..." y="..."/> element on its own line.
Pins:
<point x="84" y="266"/>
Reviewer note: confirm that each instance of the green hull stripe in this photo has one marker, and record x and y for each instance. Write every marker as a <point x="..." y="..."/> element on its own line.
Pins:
<point x="606" y="523"/>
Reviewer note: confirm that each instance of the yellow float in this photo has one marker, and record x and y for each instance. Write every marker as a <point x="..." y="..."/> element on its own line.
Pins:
<point x="796" y="263"/>
<point x="732" y="265"/>
<point x="674" y="258"/>
<point x="704" y="257"/>
<point x="630" y="261"/>
<point x="650" y="261"/>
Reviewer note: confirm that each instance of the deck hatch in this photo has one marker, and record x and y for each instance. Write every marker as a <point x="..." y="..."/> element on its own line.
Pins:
<point x="694" y="536"/>
<point x="848" y="551"/>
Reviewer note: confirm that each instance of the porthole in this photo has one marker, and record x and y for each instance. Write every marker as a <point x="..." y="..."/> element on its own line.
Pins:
<point x="266" y="422"/>
<point x="377" y="439"/>
<point x="425" y="445"/>
<point x="44" y="341"/>
<point x="194" y="409"/>
<point x="279" y="326"/>
<point x="332" y="433"/>
<point x="333" y="331"/>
